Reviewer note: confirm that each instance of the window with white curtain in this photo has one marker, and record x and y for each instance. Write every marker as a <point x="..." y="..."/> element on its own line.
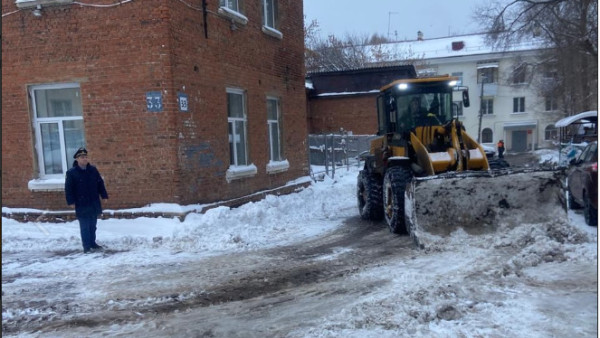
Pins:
<point x="58" y="123"/>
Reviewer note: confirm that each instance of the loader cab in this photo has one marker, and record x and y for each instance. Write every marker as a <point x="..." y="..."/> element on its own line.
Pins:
<point x="409" y="103"/>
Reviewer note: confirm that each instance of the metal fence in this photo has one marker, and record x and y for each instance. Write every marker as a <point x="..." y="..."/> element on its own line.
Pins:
<point x="328" y="152"/>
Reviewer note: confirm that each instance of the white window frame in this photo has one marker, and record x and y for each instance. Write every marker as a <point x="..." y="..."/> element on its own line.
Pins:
<point x="232" y="10"/>
<point x="459" y="75"/>
<point x="276" y="161"/>
<point x="550" y="133"/>
<point x="484" y="70"/>
<point x="520" y="105"/>
<point x="520" y="75"/>
<point x="490" y="136"/>
<point x="550" y="101"/>
<point x="238" y="170"/>
<point x="51" y="181"/>
<point x="489" y="104"/>
<point x="273" y="16"/>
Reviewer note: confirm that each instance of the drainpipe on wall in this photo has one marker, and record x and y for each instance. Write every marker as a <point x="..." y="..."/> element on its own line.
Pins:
<point x="204" y="13"/>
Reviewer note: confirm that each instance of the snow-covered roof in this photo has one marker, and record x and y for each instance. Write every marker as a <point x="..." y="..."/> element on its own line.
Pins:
<point x="463" y="45"/>
<point x="570" y="119"/>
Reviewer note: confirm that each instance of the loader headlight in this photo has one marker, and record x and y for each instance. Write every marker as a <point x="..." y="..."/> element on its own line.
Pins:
<point x="402" y="86"/>
<point x="452" y="83"/>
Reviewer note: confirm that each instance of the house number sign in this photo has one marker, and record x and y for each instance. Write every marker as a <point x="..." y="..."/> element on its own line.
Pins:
<point x="154" y="102"/>
<point x="183" y="102"/>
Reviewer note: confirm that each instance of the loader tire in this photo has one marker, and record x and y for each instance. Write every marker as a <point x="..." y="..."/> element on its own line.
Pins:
<point x="394" y="186"/>
<point x="370" y="198"/>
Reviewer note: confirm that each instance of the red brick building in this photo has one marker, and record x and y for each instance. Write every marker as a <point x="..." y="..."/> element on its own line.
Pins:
<point x="174" y="101"/>
<point x="347" y="99"/>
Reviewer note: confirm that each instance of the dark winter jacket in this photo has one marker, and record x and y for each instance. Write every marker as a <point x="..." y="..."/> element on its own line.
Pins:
<point x="84" y="187"/>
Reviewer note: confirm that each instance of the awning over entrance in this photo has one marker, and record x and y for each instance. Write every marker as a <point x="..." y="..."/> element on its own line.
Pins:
<point x="521" y="125"/>
<point x="487" y="65"/>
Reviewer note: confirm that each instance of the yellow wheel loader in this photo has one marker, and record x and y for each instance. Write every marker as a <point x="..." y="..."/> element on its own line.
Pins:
<point x="427" y="177"/>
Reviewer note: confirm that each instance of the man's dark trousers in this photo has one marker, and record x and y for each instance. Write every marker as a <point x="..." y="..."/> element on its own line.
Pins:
<point x="87" y="225"/>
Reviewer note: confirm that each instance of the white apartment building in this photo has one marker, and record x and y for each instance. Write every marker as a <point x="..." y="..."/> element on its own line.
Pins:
<point x="512" y="110"/>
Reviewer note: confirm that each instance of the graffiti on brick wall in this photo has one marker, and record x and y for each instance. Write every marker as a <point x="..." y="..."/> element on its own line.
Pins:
<point x="201" y="156"/>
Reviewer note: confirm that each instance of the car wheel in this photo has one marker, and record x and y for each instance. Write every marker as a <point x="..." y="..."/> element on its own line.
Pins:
<point x="590" y="214"/>
<point x="572" y="203"/>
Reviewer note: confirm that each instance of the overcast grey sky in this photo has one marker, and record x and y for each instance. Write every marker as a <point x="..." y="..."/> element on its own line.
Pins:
<point x="401" y="18"/>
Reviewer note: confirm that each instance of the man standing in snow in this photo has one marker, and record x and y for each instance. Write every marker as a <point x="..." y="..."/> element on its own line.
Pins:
<point x="83" y="187"/>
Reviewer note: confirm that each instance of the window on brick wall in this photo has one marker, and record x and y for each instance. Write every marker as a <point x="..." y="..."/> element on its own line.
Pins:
<point x="270" y="13"/>
<point x="234" y="5"/>
<point x="233" y="10"/>
<point x="58" y="123"/>
<point x="273" y="123"/>
<point x="236" y="117"/>
<point x="276" y="160"/>
<point x="518" y="105"/>
<point x="271" y="18"/>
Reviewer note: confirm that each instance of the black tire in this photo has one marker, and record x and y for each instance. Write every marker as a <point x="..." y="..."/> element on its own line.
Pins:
<point x="394" y="186"/>
<point x="590" y="214"/>
<point x="370" y="198"/>
<point x="572" y="203"/>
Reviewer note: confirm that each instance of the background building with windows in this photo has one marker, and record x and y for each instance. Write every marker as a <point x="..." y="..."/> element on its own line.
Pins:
<point x="503" y="87"/>
<point x="177" y="101"/>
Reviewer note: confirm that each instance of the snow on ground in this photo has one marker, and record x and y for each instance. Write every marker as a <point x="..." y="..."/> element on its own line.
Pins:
<point x="540" y="279"/>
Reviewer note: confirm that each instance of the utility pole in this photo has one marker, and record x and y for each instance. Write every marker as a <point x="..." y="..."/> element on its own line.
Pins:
<point x="480" y="109"/>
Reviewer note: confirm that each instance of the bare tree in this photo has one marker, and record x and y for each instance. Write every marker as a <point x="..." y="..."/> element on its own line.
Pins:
<point x="569" y="31"/>
<point x="351" y="52"/>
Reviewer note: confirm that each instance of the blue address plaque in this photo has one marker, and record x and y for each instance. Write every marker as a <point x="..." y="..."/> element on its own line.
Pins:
<point x="183" y="102"/>
<point x="154" y="102"/>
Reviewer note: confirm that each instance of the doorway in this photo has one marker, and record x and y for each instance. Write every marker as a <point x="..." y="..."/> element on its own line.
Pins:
<point x="519" y="140"/>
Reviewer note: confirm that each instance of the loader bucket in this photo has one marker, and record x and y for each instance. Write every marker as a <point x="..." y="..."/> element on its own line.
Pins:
<point x="480" y="202"/>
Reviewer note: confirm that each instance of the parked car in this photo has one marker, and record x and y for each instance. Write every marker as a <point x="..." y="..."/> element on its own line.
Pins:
<point x="582" y="183"/>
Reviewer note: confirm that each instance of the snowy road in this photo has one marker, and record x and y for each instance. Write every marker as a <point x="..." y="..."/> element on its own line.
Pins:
<point x="282" y="276"/>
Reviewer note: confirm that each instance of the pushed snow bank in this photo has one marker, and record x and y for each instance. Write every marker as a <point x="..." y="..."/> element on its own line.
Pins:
<point x="481" y="202"/>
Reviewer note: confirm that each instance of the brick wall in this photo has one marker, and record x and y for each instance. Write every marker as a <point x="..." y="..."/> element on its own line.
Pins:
<point x="118" y="54"/>
<point x="353" y="113"/>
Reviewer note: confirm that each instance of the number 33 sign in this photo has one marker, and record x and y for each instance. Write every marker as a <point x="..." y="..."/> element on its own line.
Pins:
<point x="154" y="102"/>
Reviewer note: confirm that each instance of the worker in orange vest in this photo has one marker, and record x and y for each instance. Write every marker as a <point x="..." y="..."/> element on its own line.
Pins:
<point x="500" y="149"/>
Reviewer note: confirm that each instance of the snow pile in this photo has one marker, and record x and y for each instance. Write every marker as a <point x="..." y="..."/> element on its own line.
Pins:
<point x="275" y="220"/>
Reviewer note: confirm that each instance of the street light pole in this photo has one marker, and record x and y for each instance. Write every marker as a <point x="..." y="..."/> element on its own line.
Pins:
<point x="480" y="110"/>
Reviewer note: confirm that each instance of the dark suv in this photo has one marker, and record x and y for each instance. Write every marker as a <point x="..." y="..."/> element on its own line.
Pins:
<point x="582" y="182"/>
